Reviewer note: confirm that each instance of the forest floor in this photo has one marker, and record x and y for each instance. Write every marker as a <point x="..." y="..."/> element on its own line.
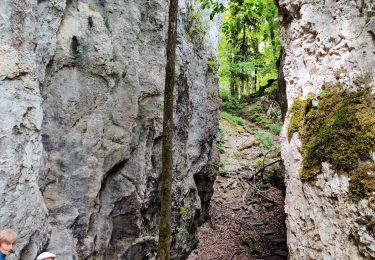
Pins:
<point x="247" y="219"/>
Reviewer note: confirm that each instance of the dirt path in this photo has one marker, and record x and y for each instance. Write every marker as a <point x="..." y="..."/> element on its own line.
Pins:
<point x="245" y="223"/>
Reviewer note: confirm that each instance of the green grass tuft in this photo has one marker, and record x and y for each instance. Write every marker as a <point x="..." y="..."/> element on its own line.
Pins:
<point x="265" y="139"/>
<point x="232" y="118"/>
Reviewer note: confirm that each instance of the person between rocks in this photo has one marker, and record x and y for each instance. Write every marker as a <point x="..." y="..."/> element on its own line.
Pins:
<point x="46" y="256"/>
<point x="7" y="240"/>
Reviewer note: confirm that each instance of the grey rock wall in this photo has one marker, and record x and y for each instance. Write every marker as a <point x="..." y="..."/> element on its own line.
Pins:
<point x="81" y="119"/>
<point x="326" y="42"/>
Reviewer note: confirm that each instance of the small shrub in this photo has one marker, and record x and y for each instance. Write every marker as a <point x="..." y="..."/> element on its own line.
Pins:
<point x="261" y="120"/>
<point x="256" y="115"/>
<point x="255" y="108"/>
<point x="232" y="105"/>
<point x="196" y="25"/>
<point x="276" y="128"/>
<point x="265" y="139"/>
<point x="221" y="139"/>
<point x="222" y="170"/>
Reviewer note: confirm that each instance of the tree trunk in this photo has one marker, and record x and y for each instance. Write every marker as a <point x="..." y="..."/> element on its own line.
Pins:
<point x="232" y="80"/>
<point x="255" y="81"/>
<point x="248" y="90"/>
<point x="167" y="160"/>
<point x="232" y="87"/>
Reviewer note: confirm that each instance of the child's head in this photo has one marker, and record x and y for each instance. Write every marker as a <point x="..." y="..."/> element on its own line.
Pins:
<point x="7" y="240"/>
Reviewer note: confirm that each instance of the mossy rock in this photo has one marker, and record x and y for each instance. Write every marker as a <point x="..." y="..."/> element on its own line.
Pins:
<point x="298" y="112"/>
<point x="362" y="181"/>
<point x="340" y="130"/>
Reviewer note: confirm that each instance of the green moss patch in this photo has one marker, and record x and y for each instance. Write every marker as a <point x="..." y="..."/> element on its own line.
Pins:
<point x="363" y="180"/>
<point x="298" y="113"/>
<point x="340" y="130"/>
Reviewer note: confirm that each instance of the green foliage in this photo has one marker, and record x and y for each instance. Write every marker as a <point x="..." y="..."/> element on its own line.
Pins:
<point x="221" y="139"/>
<point x="182" y="230"/>
<point x="249" y="46"/>
<point x="259" y="163"/>
<point x="184" y="213"/>
<point x="256" y="115"/>
<point x="196" y="26"/>
<point x="222" y="169"/>
<point x="196" y="15"/>
<point x="214" y="6"/>
<point x="232" y="105"/>
<point x="106" y="21"/>
<point x="272" y="90"/>
<point x="236" y="120"/>
<point x="340" y="130"/>
<point x="265" y="139"/>
<point x="212" y="65"/>
<point x="226" y="189"/>
<point x="255" y="108"/>
<point x="276" y="128"/>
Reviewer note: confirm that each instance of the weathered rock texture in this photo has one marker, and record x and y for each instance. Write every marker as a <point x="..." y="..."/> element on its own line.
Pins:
<point x="81" y="90"/>
<point x="326" y="42"/>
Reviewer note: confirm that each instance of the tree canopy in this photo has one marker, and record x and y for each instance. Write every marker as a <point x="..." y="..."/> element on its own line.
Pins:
<point x="249" y="46"/>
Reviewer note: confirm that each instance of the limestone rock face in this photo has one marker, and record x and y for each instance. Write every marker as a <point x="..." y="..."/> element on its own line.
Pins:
<point x="326" y="42"/>
<point x="81" y="123"/>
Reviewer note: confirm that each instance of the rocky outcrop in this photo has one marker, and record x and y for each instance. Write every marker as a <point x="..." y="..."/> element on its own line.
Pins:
<point x="81" y="97"/>
<point x="326" y="43"/>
